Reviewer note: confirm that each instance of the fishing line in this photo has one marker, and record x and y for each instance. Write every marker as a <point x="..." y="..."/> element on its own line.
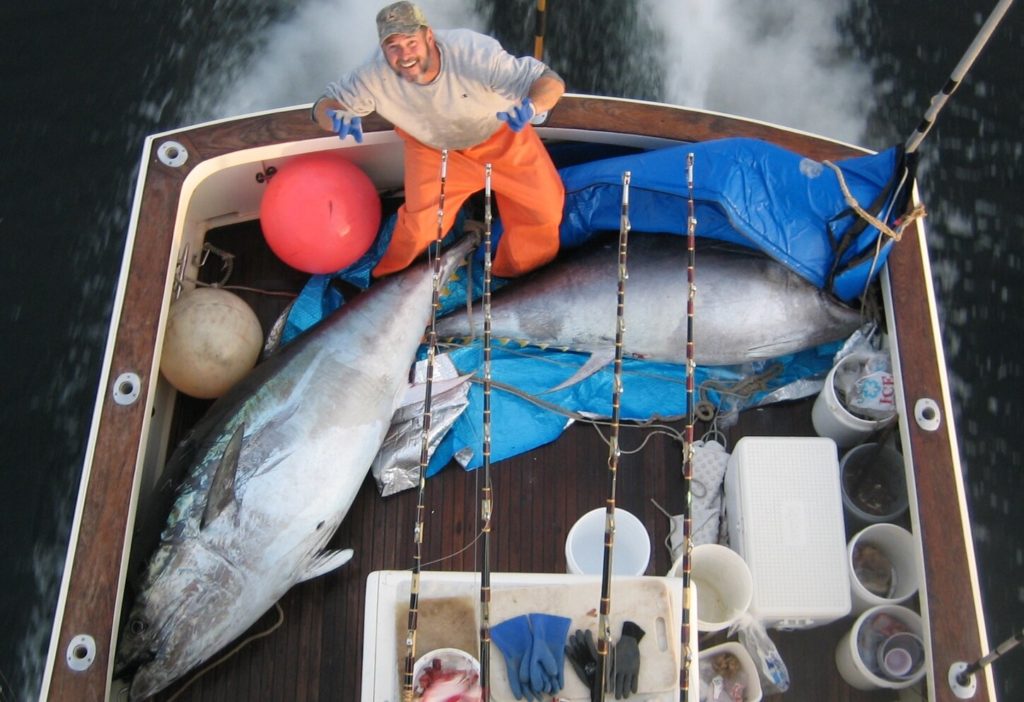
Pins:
<point x="229" y="654"/>
<point x="604" y="613"/>
<point x="414" y="589"/>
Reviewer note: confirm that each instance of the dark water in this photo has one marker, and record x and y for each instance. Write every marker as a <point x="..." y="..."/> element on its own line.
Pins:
<point x="82" y="83"/>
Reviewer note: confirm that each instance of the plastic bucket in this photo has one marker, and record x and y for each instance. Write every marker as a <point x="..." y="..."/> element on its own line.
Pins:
<point x="832" y="420"/>
<point x="868" y="646"/>
<point x="883" y="566"/>
<point x="874" y="484"/>
<point x="584" y="546"/>
<point x="723" y="583"/>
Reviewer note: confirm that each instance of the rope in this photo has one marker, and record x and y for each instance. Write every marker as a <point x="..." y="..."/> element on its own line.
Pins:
<point x="901" y="224"/>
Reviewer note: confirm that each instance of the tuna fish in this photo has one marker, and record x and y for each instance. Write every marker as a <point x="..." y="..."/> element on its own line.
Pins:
<point x="272" y="469"/>
<point x="748" y="307"/>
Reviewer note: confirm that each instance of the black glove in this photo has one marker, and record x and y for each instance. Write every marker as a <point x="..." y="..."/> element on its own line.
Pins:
<point x="582" y="654"/>
<point x="627" y="660"/>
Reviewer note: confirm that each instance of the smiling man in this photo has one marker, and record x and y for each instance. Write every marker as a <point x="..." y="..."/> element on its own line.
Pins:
<point x="457" y="90"/>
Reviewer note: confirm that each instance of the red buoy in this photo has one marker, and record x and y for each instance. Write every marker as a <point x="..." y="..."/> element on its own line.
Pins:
<point x="320" y="213"/>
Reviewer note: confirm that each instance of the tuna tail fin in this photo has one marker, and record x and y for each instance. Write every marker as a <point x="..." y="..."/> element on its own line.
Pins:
<point x="325" y="562"/>
<point x="222" y="489"/>
<point x="598" y="360"/>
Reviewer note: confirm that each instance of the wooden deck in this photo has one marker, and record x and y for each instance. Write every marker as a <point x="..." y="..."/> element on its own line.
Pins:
<point x="316" y="653"/>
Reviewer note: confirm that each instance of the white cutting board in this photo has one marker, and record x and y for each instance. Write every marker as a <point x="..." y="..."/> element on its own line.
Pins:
<point x="655" y="603"/>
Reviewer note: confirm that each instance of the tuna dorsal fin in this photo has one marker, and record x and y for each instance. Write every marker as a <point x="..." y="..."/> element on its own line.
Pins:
<point x="222" y="489"/>
<point x="325" y="562"/>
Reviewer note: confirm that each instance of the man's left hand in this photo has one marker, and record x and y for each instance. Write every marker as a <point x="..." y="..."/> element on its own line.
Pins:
<point x="519" y="116"/>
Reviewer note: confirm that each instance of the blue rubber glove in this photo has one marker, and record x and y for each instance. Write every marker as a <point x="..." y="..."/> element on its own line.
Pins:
<point x="514" y="639"/>
<point x="547" y="658"/>
<point x="346" y="123"/>
<point x="519" y="116"/>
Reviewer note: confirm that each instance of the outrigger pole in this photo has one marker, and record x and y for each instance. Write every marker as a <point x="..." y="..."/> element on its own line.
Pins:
<point x="603" y="627"/>
<point x="940" y="98"/>
<point x="539" y="29"/>
<point x="414" y="588"/>
<point x="691" y="366"/>
<point x="486" y="501"/>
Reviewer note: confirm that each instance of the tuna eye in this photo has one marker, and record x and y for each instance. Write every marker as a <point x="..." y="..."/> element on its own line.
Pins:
<point x="137" y="626"/>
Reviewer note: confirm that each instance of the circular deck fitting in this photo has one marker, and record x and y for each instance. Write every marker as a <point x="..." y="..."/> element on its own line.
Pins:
<point x="81" y="652"/>
<point x="172" y="153"/>
<point x="961" y="690"/>
<point x="927" y="414"/>
<point x="127" y="388"/>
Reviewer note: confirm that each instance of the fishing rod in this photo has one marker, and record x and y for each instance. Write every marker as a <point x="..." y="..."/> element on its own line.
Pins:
<point x="539" y="29"/>
<point x="603" y="626"/>
<point x="953" y="82"/>
<point x="486" y="502"/>
<point x="691" y="367"/>
<point x="414" y="588"/>
<point x="961" y="675"/>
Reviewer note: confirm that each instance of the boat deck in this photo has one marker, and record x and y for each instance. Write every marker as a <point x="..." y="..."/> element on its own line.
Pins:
<point x="316" y="652"/>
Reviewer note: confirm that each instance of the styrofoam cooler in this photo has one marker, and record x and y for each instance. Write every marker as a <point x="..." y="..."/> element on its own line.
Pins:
<point x="785" y="516"/>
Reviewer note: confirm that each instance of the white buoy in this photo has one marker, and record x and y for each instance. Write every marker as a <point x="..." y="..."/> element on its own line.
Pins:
<point x="213" y="339"/>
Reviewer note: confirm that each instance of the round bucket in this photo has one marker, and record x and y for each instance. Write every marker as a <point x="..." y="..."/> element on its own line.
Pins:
<point x="723" y="583"/>
<point x="832" y="420"/>
<point x="877" y="653"/>
<point x="584" y="546"/>
<point x="874" y="484"/>
<point x="883" y="566"/>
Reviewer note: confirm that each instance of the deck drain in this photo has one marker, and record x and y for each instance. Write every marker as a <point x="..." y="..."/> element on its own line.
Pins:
<point x="81" y="652"/>
<point x="927" y="414"/>
<point x="172" y="153"/>
<point x="127" y="388"/>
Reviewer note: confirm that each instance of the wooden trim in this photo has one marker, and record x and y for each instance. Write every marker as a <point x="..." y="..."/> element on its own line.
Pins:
<point x="952" y="594"/>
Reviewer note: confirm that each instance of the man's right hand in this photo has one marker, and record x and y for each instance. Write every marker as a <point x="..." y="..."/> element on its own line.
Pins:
<point x="346" y="123"/>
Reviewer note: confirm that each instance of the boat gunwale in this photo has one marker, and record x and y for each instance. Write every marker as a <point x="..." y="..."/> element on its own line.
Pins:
<point x="100" y="584"/>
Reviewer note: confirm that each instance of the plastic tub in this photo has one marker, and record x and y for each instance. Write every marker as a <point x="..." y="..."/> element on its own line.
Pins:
<point x="874" y="484"/>
<point x="584" y="546"/>
<point x="750" y="679"/>
<point x="724" y="586"/>
<point x="833" y="420"/>
<point x="857" y="655"/>
<point x="883" y="566"/>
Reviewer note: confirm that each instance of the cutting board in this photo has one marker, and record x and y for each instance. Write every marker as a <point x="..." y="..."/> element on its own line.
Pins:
<point x="644" y="601"/>
<point x="449" y="607"/>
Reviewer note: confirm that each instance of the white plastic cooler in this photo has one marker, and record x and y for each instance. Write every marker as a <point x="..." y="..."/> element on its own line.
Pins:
<point x="785" y="516"/>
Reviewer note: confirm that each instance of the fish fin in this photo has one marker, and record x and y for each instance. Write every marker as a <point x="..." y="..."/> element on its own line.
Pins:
<point x="222" y="489"/>
<point x="325" y="562"/>
<point x="597" y="361"/>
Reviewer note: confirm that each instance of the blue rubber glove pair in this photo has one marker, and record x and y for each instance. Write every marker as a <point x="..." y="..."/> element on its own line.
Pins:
<point x="519" y="116"/>
<point x="346" y="123"/>
<point x="534" y="650"/>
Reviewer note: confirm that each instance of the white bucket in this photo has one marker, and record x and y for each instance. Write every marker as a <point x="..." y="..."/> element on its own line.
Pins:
<point x="584" y="546"/>
<point x="882" y="556"/>
<point x="723" y="583"/>
<point x="832" y="420"/>
<point x="874" y="484"/>
<point x="859" y="664"/>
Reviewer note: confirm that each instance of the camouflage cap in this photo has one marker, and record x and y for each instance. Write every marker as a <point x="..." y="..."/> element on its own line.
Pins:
<point x="399" y="18"/>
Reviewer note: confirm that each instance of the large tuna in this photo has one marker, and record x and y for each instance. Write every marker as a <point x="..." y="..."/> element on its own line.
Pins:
<point x="748" y="307"/>
<point x="272" y="470"/>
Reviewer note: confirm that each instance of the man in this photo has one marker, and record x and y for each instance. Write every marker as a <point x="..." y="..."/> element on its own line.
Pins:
<point x="457" y="90"/>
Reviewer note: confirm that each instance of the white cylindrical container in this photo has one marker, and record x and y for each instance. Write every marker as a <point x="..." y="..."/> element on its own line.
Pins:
<point x="584" y="546"/>
<point x="723" y="583"/>
<point x="833" y="420"/>
<point x="883" y="566"/>
<point x="874" y="484"/>
<point x="857" y="654"/>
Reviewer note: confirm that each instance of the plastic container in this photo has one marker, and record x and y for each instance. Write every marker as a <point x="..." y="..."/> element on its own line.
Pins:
<point x="874" y="481"/>
<point x="833" y="420"/>
<point x="857" y="654"/>
<point x="584" y="546"/>
<point x="449" y="659"/>
<point x="723" y="584"/>
<point x="748" y="677"/>
<point x="883" y="561"/>
<point x="786" y="521"/>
